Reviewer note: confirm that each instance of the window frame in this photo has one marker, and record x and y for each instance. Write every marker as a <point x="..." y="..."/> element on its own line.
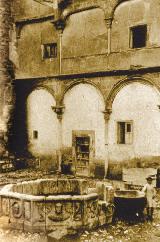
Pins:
<point x="44" y="50"/>
<point x="128" y="139"/>
<point x="131" y="36"/>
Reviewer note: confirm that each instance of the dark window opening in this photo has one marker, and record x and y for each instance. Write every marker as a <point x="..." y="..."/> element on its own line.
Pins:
<point x="138" y="36"/>
<point x="35" y="134"/>
<point x="50" y="50"/>
<point x="129" y="128"/>
<point x="125" y="132"/>
<point x="121" y="132"/>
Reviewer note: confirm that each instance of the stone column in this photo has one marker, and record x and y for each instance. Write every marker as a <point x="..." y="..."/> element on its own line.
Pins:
<point x="109" y="25"/>
<point x="60" y="25"/>
<point x="6" y="76"/>
<point x="59" y="110"/>
<point x="107" y="114"/>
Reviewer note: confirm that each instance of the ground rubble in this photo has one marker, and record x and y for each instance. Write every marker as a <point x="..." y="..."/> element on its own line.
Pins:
<point x="120" y="232"/>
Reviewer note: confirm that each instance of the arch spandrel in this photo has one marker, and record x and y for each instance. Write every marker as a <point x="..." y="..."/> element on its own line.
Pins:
<point x="41" y="87"/>
<point x="71" y="85"/>
<point x="71" y="7"/>
<point x="122" y="83"/>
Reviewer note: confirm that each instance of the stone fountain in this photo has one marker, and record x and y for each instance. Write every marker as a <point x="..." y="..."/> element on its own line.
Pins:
<point x="52" y="205"/>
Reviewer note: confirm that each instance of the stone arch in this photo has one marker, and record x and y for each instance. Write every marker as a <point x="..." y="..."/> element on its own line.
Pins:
<point x="75" y="83"/>
<point x="84" y="106"/>
<point x="122" y="83"/>
<point x="116" y="5"/>
<point x="136" y="106"/>
<point x="42" y="124"/>
<point x="66" y="14"/>
<point x="35" y="87"/>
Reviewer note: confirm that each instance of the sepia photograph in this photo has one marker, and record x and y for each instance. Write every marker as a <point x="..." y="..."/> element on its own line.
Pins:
<point x="79" y="121"/>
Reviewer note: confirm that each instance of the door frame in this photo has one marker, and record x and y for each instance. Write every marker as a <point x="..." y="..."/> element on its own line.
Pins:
<point x="83" y="133"/>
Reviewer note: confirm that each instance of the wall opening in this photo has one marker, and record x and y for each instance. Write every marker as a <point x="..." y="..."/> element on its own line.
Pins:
<point x="138" y="36"/>
<point x="124" y="132"/>
<point x="49" y="50"/>
<point x="35" y="134"/>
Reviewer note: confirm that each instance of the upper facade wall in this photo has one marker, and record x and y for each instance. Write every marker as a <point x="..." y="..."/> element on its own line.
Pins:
<point x="28" y="9"/>
<point x="30" y="45"/>
<point x="134" y="13"/>
<point x="85" y="39"/>
<point x="85" y="34"/>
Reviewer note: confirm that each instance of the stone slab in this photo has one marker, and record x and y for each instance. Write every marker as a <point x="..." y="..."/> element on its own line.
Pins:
<point x="137" y="176"/>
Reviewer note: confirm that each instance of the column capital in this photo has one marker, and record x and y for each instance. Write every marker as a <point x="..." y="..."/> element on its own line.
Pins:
<point x="107" y="112"/>
<point x="59" y="24"/>
<point x="59" y="110"/>
<point x="108" y="22"/>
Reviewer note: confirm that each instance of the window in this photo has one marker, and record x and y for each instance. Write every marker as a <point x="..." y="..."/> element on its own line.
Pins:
<point x="138" y="36"/>
<point x="35" y="134"/>
<point x="124" y="132"/>
<point x="49" y="50"/>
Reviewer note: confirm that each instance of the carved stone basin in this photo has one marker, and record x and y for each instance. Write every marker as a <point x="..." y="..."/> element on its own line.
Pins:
<point x="129" y="194"/>
<point x="50" y="204"/>
<point x="129" y="203"/>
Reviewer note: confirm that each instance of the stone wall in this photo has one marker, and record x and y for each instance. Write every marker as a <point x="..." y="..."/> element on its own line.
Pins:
<point x="6" y="75"/>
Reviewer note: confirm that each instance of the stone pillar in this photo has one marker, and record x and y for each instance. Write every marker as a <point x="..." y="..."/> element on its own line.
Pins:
<point x="107" y="114"/>
<point x="59" y="110"/>
<point x="6" y="75"/>
<point x="109" y="25"/>
<point x="60" y="25"/>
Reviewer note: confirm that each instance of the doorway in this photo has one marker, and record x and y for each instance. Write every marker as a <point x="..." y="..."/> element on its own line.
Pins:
<point x="83" y="149"/>
<point x="82" y="155"/>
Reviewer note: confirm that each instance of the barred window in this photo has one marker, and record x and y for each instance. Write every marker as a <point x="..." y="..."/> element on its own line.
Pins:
<point x="49" y="50"/>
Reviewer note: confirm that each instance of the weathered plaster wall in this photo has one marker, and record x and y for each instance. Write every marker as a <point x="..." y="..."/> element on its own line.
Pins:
<point x="84" y="113"/>
<point x="43" y="119"/>
<point x="84" y="49"/>
<point x="83" y="31"/>
<point x="139" y="103"/>
<point x="131" y="14"/>
<point x="29" y="9"/>
<point x="30" y="60"/>
<point x="84" y="40"/>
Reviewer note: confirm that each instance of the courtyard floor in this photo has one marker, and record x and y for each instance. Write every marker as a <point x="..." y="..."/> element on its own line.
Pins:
<point x="119" y="232"/>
